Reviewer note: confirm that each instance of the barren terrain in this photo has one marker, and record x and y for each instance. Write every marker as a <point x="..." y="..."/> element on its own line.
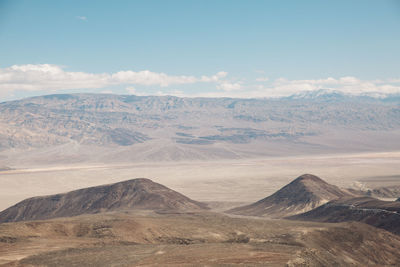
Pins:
<point x="149" y="239"/>
<point x="235" y="181"/>
<point x="224" y="152"/>
<point x="98" y="128"/>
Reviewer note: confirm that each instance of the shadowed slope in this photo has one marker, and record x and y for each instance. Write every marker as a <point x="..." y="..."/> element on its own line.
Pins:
<point x="378" y="213"/>
<point x="132" y="194"/>
<point x="303" y="194"/>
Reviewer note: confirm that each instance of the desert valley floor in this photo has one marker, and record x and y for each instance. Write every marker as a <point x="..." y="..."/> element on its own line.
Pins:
<point x="244" y="180"/>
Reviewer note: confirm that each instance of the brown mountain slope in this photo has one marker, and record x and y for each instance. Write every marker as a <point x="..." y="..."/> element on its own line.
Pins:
<point x="192" y="239"/>
<point x="303" y="194"/>
<point x="378" y="213"/>
<point x="132" y="194"/>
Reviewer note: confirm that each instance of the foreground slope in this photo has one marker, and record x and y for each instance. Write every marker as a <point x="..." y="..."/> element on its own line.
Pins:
<point x="378" y="213"/>
<point x="132" y="194"/>
<point x="303" y="194"/>
<point x="192" y="239"/>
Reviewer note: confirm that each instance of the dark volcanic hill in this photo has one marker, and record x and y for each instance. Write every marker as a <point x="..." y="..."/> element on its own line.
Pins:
<point x="132" y="194"/>
<point x="303" y="194"/>
<point x="378" y="213"/>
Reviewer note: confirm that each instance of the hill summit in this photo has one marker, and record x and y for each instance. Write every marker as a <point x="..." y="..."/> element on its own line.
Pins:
<point x="303" y="194"/>
<point x="138" y="193"/>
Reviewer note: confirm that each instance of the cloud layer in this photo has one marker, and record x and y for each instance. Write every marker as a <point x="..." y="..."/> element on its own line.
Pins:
<point x="51" y="78"/>
<point x="347" y="85"/>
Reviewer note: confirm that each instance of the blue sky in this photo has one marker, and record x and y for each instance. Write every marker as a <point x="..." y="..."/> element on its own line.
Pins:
<point x="199" y="48"/>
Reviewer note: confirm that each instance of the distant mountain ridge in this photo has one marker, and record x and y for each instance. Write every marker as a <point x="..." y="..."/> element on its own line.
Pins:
<point x="322" y="94"/>
<point x="138" y="193"/>
<point x="173" y="128"/>
<point x="303" y="194"/>
<point x="334" y="95"/>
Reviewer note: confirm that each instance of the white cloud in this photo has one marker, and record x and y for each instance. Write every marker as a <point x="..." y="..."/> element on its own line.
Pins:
<point x="81" y="17"/>
<point x="228" y="86"/>
<point x="347" y="85"/>
<point x="285" y="87"/>
<point x="394" y="80"/>
<point x="150" y="78"/>
<point x="48" y="77"/>
<point x="214" y="78"/>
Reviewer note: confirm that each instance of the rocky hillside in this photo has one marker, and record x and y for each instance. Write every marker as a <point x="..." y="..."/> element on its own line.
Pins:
<point x="193" y="239"/>
<point x="303" y="194"/>
<point x="132" y="194"/>
<point x="190" y="128"/>
<point x="392" y="191"/>
<point x="378" y="213"/>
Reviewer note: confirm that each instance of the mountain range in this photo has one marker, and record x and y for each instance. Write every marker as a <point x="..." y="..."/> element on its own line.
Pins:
<point x="101" y="127"/>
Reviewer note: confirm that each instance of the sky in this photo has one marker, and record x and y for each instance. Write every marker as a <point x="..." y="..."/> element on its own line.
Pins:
<point x="199" y="48"/>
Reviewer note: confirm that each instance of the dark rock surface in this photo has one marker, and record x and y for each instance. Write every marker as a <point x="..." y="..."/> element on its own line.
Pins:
<point x="303" y="194"/>
<point x="132" y="194"/>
